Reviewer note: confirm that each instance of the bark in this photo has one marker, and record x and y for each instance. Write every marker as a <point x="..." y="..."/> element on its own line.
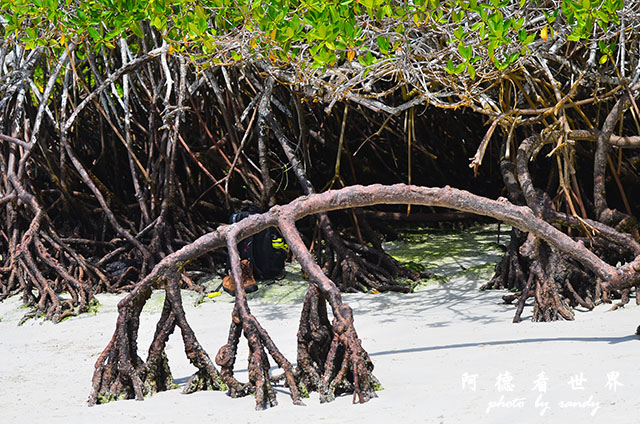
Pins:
<point x="602" y="149"/>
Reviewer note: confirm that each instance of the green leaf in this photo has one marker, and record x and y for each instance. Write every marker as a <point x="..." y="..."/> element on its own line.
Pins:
<point x="112" y="34"/>
<point x="574" y="37"/>
<point x="322" y="31"/>
<point x="208" y="45"/>
<point x="460" y="68"/>
<point x="457" y="16"/>
<point x="602" y="15"/>
<point x="472" y="71"/>
<point x="383" y="44"/>
<point x="367" y="60"/>
<point x="450" y="68"/>
<point x="93" y="33"/>
<point x="160" y="22"/>
<point x="289" y="32"/>
<point x="465" y="51"/>
<point x="518" y="24"/>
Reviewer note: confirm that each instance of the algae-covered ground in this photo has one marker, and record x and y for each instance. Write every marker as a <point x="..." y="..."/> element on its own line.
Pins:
<point x="445" y="254"/>
<point x="442" y="254"/>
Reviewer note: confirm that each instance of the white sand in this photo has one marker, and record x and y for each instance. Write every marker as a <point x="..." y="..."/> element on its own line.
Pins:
<point x="423" y="346"/>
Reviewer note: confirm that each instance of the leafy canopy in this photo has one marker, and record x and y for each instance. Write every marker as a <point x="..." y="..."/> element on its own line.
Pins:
<point x="311" y="34"/>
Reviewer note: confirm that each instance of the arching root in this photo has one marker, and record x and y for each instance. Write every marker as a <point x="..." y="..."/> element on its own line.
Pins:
<point x="260" y="381"/>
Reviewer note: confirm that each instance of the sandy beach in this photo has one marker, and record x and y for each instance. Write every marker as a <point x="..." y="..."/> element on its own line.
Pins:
<point x="447" y="353"/>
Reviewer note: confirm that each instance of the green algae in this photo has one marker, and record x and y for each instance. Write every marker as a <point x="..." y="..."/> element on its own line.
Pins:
<point x="155" y="303"/>
<point x="110" y="397"/>
<point x="94" y="306"/>
<point x="446" y="254"/>
<point x="440" y="255"/>
<point x="291" y="288"/>
<point x="304" y="392"/>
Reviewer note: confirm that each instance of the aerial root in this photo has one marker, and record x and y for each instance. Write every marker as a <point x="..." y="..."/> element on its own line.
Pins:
<point x="207" y="377"/>
<point x="331" y="359"/>
<point x="356" y="267"/>
<point x="348" y="367"/>
<point x="121" y="374"/>
<point x="260" y="381"/>
<point x="119" y="371"/>
<point x="344" y="366"/>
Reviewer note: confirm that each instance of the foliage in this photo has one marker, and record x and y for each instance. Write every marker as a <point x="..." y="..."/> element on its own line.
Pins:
<point x="314" y="33"/>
